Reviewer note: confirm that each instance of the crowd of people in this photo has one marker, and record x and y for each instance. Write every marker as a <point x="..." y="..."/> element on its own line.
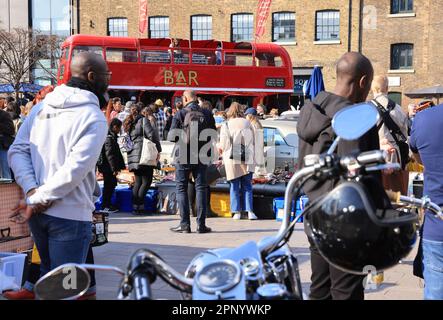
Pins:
<point x="13" y="113"/>
<point x="54" y="157"/>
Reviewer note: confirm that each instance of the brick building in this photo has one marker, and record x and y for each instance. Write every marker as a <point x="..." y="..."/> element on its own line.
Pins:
<point x="401" y="37"/>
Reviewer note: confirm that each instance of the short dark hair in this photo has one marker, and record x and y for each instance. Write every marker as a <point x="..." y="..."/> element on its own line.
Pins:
<point x="140" y="105"/>
<point x="115" y="122"/>
<point x="13" y="107"/>
<point x="206" y="105"/>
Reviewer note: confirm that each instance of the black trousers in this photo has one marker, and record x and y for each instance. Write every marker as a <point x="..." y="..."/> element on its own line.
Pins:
<point x="330" y="283"/>
<point x="192" y="196"/>
<point x="109" y="184"/>
<point x="143" y="180"/>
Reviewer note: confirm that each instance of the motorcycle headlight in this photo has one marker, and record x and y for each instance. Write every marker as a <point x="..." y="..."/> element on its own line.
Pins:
<point x="218" y="276"/>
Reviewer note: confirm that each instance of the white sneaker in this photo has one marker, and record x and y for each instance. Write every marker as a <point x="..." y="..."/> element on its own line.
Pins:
<point x="252" y="216"/>
<point x="237" y="216"/>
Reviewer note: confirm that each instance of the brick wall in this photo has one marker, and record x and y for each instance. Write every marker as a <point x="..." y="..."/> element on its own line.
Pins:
<point x="424" y="30"/>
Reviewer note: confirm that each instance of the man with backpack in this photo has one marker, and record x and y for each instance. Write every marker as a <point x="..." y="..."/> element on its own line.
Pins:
<point x="393" y="135"/>
<point x="187" y="130"/>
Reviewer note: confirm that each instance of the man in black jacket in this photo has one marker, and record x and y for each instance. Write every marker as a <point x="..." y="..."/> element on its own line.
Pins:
<point x="110" y="163"/>
<point x="7" y="133"/>
<point x="188" y="160"/>
<point x="354" y="77"/>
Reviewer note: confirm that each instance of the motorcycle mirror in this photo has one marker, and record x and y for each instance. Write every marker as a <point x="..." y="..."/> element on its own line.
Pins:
<point x="354" y="121"/>
<point x="67" y="282"/>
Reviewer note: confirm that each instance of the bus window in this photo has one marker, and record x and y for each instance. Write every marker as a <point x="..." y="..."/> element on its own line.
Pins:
<point x="94" y="49"/>
<point x="239" y="59"/>
<point x="65" y="53"/>
<point x="121" y="55"/>
<point x="62" y="72"/>
<point x="272" y="137"/>
<point x="181" y="56"/>
<point x="268" y="59"/>
<point x="203" y="57"/>
<point x="155" y="56"/>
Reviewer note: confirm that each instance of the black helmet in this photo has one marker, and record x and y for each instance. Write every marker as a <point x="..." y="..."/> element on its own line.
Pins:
<point x="353" y="235"/>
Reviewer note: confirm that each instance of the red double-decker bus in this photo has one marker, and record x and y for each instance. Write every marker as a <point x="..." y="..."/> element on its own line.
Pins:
<point x="220" y="71"/>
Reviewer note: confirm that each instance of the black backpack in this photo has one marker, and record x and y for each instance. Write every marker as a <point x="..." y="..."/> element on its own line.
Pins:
<point x="193" y="117"/>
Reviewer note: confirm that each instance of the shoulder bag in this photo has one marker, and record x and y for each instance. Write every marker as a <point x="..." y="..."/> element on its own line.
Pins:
<point x="149" y="150"/>
<point x="238" y="152"/>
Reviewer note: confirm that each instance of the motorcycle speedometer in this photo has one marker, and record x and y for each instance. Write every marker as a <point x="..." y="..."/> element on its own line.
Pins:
<point x="219" y="276"/>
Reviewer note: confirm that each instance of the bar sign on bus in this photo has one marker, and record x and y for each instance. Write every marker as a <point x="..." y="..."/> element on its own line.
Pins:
<point x="275" y="82"/>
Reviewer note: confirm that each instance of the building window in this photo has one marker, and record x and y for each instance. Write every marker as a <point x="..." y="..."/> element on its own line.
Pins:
<point x="201" y="27"/>
<point x="402" y="6"/>
<point x="395" y="96"/>
<point x="327" y="25"/>
<point x="50" y="18"/>
<point x="242" y="27"/>
<point x="283" y="26"/>
<point x="118" y="27"/>
<point x="402" y="56"/>
<point x="158" y="27"/>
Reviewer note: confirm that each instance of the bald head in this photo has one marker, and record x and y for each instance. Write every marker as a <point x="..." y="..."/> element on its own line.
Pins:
<point x="190" y="94"/>
<point x="352" y="66"/>
<point x="85" y="62"/>
<point x="380" y="84"/>
<point x="354" y="76"/>
<point x="91" y="67"/>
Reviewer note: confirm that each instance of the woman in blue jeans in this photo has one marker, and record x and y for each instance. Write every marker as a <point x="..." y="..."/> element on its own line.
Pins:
<point x="237" y="147"/>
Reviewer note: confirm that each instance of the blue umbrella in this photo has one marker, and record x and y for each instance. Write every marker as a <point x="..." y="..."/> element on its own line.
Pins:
<point x="6" y="88"/>
<point x="29" y="87"/>
<point x="24" y="87"/>
<point x="315" y="83"/>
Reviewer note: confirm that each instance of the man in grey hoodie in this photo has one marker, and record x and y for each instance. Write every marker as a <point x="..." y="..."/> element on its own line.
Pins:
<point x="53" y="159"/>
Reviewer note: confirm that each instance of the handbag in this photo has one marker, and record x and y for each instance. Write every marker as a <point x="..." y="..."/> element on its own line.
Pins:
<point x="100" y="222"/>
<point x="238" y="151"/>
<point x="213" y="173"/>
<point x="149" y="151"/>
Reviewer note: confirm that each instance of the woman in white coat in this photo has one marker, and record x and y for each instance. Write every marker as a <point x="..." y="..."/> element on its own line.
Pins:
<point x="237" y="147"/>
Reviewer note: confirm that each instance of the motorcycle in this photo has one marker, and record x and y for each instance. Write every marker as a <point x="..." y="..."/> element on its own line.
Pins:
<point x="262" y="270"/>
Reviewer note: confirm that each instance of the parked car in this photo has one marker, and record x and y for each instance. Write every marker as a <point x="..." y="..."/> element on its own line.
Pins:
<point x="281" y="142"/>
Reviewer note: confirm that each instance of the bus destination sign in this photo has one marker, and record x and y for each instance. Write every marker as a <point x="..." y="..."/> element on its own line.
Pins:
<point x="275" y="82"/>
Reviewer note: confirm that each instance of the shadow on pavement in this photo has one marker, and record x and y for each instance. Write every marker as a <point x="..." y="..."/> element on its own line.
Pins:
<point x="125" y="220"/>
<point x="381" y="287"/>
<point x="246" y="231"/>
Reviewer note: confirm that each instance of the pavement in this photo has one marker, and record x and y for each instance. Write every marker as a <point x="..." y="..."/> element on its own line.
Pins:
<point x="128" y="233"/>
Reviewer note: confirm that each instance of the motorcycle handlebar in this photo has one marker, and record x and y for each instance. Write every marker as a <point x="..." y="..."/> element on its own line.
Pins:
<point x="142" y="286"/>
<point x="424" y="202"/>
<point x="145" y="262"/>
<point x="372" y="157"/>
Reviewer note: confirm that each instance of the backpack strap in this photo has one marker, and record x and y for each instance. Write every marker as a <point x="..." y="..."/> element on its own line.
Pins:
<point x="231" y="138"/>
<point x="393" y="128"/>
